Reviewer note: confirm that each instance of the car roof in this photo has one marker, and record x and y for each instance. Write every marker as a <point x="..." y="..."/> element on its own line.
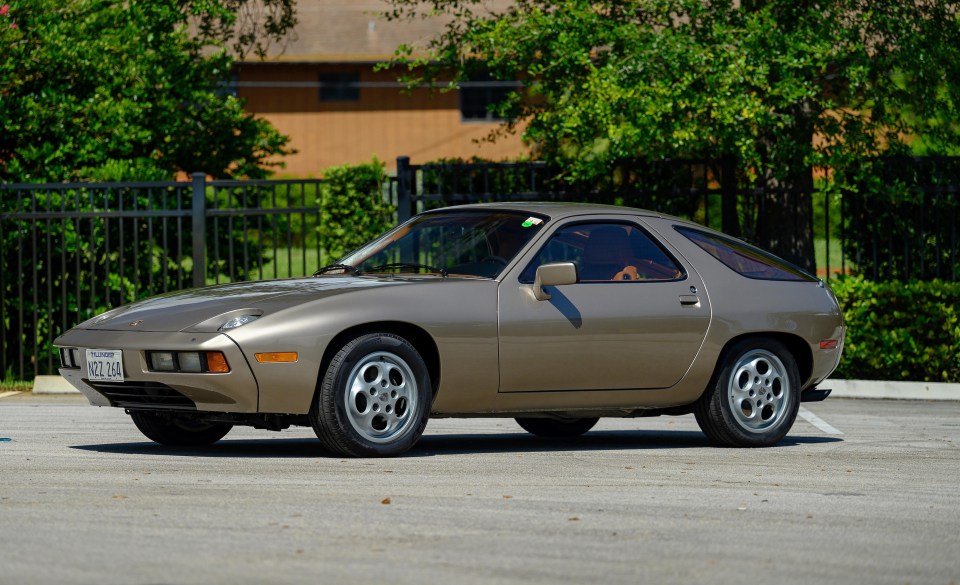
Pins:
<point x="556" y="210"/>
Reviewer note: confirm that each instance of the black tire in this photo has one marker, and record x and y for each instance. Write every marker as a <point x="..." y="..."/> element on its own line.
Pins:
<point x="553" y="428"/>
<point x="754" y="396"/>
<point x="374" y="398"/>
<point x="176" y="430"/>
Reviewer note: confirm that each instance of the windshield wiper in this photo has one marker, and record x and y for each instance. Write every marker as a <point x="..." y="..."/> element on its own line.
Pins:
<point x="398" y="265"/>
<point x="331" y="267"/>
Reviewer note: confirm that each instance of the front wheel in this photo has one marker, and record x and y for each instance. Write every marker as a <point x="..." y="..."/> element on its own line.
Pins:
<point x="754" y="398"/>
<point x="374" y="399"/>
<point x="553" y="428"/>
<point x="175" y="430"/>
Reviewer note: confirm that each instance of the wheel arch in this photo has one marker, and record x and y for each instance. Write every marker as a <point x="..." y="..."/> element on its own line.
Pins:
<point x="795" y="344"/>
<point x="419" y="337"/>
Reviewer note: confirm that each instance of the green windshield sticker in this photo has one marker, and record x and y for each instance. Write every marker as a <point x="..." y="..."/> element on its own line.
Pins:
<point x="532" y="221"/>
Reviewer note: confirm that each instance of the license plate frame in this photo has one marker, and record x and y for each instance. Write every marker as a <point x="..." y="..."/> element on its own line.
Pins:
<point x="105" y="365"/>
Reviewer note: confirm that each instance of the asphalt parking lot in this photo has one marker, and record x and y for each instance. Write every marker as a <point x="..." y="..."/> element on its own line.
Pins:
<point x="861" y="491"/>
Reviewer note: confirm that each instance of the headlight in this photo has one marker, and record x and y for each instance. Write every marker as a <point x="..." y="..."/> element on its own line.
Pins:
<point x="162" y="361"/>
<point x="238" y="321"/>
<point x="191" y="362"/>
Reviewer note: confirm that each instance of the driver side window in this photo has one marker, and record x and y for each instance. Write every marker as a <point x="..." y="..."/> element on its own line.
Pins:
<point x="607" y="252"/>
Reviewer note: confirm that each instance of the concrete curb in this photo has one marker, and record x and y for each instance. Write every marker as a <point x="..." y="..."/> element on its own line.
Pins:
<point x="892" y="390"/>
<point x="52" y="385"/>
<point x="841" y="389"/>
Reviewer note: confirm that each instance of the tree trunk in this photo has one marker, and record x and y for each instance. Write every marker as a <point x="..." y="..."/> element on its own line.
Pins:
<point x="785" y="219"/>
<point x="785" y="214"/>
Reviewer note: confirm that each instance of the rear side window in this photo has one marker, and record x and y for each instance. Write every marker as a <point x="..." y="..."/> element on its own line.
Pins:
<point x="745" y="259"/>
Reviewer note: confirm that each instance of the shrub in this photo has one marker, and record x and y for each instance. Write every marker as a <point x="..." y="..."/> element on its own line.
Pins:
<point x="353" y="208"/>
<point x="900" y="331"/>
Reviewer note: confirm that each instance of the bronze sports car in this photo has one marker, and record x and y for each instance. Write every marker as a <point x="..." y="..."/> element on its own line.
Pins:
<point x="552" y="314"/>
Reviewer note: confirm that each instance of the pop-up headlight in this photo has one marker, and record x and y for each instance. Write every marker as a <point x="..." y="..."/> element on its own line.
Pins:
<point x="238" y="321"/>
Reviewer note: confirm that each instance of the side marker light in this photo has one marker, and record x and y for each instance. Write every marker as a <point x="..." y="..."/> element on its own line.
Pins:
<point x="828" y="344"/>
<point x="277" y="357"/>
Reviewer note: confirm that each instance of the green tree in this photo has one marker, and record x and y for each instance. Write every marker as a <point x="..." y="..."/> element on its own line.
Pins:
<point x="784" y="85"/>
<point x="106" y="89"/>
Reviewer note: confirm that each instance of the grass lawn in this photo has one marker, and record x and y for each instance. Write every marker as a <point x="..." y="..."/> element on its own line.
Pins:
<point x="293" y="263"/>
<point x="836" y="257"/>
<point x="15" y="386"/>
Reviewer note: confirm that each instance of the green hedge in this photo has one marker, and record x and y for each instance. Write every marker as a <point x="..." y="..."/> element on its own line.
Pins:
<point x="898" y="331"/>
<point x="353" y="208"/>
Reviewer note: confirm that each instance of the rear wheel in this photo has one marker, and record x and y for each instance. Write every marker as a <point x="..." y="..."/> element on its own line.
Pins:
<point x="374" y="399"/>
<point x="754" y="399"/>
<point x="175" y="430"/>
<point x="557" y="428"/>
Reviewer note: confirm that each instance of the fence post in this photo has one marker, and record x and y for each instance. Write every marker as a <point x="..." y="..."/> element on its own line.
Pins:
<point x="199" y="215"/>
<point x="729" y="222"/>
<point x="404" y="202"/>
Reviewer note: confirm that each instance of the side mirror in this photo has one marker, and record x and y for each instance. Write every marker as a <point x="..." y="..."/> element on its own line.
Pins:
<point x="554" y="274"/>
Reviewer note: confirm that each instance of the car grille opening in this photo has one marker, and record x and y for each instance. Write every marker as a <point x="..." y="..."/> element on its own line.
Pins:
<point x="143" y="395"/>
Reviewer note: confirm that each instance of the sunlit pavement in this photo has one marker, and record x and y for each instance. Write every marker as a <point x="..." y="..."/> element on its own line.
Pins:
<point x="861" y="491"/>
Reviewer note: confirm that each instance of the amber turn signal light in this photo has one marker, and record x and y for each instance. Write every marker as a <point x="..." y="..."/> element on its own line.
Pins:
<point x="277" y="357"/>
<point x="217" y="362"/>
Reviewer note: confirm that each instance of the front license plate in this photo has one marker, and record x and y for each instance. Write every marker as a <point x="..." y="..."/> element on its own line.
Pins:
<point x="105" y="365"/>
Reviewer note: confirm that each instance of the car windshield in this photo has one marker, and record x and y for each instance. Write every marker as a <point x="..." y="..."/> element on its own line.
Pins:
<point x="459" y="243"/>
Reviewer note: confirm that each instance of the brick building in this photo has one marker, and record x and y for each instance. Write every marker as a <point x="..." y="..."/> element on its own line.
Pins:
<point x="321" y="89"/>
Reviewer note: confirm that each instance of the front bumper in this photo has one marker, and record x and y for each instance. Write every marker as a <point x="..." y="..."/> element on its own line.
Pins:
<point x="142" y="389"/>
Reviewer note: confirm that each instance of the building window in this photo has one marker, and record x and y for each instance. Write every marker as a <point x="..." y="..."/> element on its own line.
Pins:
<point x="478" y="95"/>
<point x="228" y="88"/>
<point x="339" y="87"/>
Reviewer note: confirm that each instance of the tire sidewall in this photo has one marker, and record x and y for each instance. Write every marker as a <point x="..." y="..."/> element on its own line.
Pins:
<point x="331" y="399"/>
<point x="720" y="396"/>
<point x="173" y="431"/>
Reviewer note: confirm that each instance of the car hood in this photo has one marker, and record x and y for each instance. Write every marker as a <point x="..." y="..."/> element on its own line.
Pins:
<point x="206" y="309"/>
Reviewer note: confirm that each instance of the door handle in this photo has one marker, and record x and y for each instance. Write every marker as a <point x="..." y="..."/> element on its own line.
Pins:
<point x="689" y="300"/>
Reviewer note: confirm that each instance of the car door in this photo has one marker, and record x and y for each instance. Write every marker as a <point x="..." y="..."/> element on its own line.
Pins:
<point x="635" y="319"/>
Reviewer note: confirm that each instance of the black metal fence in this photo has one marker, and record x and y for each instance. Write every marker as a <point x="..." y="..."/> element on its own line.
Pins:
<point x="698" y="189"/>
<point x="71" y="250"/>
<point x="890" y="218"/>
<point x="900" y="218"/>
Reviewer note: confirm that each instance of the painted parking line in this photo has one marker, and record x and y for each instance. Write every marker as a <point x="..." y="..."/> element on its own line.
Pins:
<point x="10" y="393"/>
<point x="819" y="422"/>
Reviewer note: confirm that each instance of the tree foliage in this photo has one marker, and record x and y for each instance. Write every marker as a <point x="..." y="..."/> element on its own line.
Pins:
<point x="112" y="90"/>
<point x="784" y="85"/>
